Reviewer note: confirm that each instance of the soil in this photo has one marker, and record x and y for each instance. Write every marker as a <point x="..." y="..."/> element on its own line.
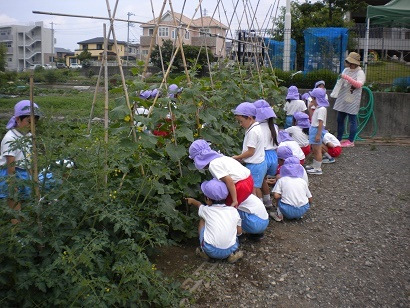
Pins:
<point x="350" y="250"/>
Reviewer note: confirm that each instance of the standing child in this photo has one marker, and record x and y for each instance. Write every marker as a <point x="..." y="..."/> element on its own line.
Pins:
<point x="316" y="130"/>
<point x="253" y="151"/>
<point x="266" y="118"/>
<point x="331" y="148"/>
<point x="293" y="104"/>
<point x="237" y="177"/>
<point x="15" y="154"/>
<point x="300" y="131"/>
<point x="287" y="140"/>
<point x="291" y="192"/>
<point x="219" y="224"/>
<point x="255" y="218"/>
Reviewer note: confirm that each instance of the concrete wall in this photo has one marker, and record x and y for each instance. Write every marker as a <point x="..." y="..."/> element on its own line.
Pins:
<point x="392" y="111"/>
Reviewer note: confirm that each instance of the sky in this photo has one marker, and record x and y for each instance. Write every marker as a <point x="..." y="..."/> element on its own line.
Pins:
<point x="69" y="30"/>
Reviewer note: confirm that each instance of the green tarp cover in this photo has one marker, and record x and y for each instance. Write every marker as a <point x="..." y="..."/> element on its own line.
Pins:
<point x="396" y="13"/>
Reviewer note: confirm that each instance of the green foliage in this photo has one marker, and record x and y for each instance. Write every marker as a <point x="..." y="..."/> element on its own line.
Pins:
<point x="3" y="50"/>
<point x="307" y="81"/>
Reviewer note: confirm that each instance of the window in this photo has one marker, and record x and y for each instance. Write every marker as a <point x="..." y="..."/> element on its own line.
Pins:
<point x="150" y="31"/>
<point x="99" y="46"/>
<point x="163" y="32"/>
<point x="85" y="46"/>
<point x="109" y="47"/>
<point x="9" y="59"/>
<point x="407" y="35"/>
<point x="8" y="44"/>
<point x="173" y="35"/>
<point x="145" y="52"/>
<point x="204" y="31"/>
<point x="186" y="35"/>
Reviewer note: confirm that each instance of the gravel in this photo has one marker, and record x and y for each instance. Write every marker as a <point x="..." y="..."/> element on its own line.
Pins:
<point x="350" y="250"/>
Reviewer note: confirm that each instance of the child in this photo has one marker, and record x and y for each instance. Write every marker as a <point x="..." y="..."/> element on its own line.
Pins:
<point x="317" y="128"/>
<point x="255" y="218"/>
<point x="287" y="140"/>
<point x="291" y="192"/>
<point x="311" y="108"/>
<point x="15" y="153"/>
<point x="293" y="104"/>
<point x="237" y="177"/>
<point x="173" y="91"/>
<point x="331" y="148"/>
<point x="266" y="117"/>
<point x="219" y="224"/>
<point x="300" y="131"/>
<point x="253" y="151"/>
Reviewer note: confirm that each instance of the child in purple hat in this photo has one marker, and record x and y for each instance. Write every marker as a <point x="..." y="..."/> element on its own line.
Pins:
<point x="293" y="104"/>
<point x="237" y="177"/>
<point x="291" y="192"/>
<point x="253" y="151"/>
<point x="15" y="152"/>
<point x="287" y="140"/>
<point x="266" y="118"/>
<point x="219" y="225"/>
<point x="331" y="148"/>
<point x="316" y="130"/>
<point x="300" y="131"/>
<point x="255" y="218"/>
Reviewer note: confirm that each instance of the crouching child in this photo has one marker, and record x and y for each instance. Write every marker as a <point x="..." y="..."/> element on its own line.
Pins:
<point x="219" y="224"/>
<point x="255" y="218"/>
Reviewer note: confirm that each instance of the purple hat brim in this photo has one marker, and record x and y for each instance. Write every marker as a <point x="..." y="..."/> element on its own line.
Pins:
<point x="292" y="170"/>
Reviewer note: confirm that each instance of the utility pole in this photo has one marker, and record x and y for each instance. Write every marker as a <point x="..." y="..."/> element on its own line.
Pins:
<point x="287" y="42"/>
<point x="52" y="39"/>
<point x="128" y="33"/>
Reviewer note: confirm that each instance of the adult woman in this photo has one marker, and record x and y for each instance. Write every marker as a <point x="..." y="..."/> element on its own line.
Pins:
<point x="349" y="96"/>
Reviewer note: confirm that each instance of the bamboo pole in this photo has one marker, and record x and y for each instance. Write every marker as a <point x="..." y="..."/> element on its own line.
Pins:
<point x="94" y="98"/>
<point x="105" y="104"/>
<point x="34" y="156"/>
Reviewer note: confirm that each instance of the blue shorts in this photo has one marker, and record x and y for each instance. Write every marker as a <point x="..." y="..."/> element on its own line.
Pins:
<point x="292" y="212"/>
<point x="253" y="224"/>
<point x="271" y="158"/>
<point x="49" y="182"/>
<point x="288" y="121"/>
<point x="258" y="172"/>
<point x="23" y="186"/>
<point x="214" y="252"/>
<point x="312" y="135"/>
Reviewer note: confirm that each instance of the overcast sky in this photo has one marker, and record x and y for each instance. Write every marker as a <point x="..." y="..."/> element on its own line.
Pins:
<point x="69" y="30"/>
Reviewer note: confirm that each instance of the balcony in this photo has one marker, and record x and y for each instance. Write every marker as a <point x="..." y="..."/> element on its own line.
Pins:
<point x="5" y="38"/>
<point x="203" y="41"/>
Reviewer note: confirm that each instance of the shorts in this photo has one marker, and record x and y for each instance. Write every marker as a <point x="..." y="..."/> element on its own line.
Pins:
<point x="306" y="150"/>
<point x="253" y="224"/>
<point x="22" y="177"/>
<point x="214" y="252"/>
<point x="271" y="158"/>
<point x="258" y="172"/>
<point x="243" y="190"/>
<point x="312" y="134"/>
<point x="292" y="212"/>
<point x="288" y="121"/>
<point x="334" y="152"/>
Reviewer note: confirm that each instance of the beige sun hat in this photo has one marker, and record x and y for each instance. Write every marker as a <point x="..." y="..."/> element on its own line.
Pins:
<point x="353" y="58"/>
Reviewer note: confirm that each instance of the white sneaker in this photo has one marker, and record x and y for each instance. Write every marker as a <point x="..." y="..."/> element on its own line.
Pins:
<point x="330" y="160"/>
<point x="308" y="167"/>
<point x="235" y="256"/>
<point x="314" y="171"/>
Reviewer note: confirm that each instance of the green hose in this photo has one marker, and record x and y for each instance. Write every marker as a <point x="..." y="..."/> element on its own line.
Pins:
<point x="363" y="117"/>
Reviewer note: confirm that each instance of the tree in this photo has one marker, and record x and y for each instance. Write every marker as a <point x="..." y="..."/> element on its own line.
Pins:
<point x="85" y="57"/>
<point x="3" y="50"/>
<point x="192" y="53"/>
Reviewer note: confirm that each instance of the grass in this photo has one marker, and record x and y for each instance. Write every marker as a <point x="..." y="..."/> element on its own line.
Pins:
<point x="384" y="72"/>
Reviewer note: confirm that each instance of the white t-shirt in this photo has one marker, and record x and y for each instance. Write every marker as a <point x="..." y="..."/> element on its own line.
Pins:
<point x="328" y="137"/>
<point x="267" y="136"/>
<point x="223" y="166"/>
<point x="254" y="139"/>
<point x="220" y="224"/>
<point x="254" y="205"/>
<point x="319" y="114"/>
<point x="298" y="135"/>
<point x="294" y="106"/>
<point x="20" y="154"/>
<point x="294" y="191"/>
<point x="294" y="146"/>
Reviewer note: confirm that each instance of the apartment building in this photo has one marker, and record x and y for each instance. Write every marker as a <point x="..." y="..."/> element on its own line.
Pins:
<point x="202" y="32"/>
<point x="27" y="45"/>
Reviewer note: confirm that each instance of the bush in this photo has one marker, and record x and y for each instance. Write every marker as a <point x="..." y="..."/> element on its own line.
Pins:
<point x="307" y="81"/>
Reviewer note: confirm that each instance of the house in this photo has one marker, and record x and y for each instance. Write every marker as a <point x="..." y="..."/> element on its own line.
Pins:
<point x="205" y="31"/>
<point x="62" y="54"/>
<point x="27" y="45"/>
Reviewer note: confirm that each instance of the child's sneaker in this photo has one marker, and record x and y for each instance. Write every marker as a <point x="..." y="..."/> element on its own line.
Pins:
<point x="276" y="216"/>
<point x="347" y="144"/>
<point x="308" y="167"/>
<point x="235" y="256"/>
<point x="314" y="171"/>
<point x="268" y="204"/>
<point x="330" y="160"/>
<point x="200" y="253"/>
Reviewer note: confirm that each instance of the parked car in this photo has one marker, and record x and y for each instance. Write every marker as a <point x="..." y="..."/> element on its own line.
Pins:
<point x="48" y="66"/>
<point x="35" y="66"/>
<point x="61" y="65"/>
<point x="75" y="65"/>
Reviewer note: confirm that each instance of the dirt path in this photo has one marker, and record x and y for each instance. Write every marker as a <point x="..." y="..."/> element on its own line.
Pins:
<point x="352" y="249"/>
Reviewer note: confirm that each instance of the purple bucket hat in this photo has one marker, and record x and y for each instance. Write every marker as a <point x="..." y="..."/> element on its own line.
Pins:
<point x="293" y="93"/>
<point x="154" y="93"/>
<point x="284" y="136"/>
<point x="202" y="154"/>
<point x="284" y="152"/>
<point x="20" y="109"/>
<point x="320" y="95"/>
<point x="305" y="96"/>
<point x="292" y="167"/>
<point x="245" y="109"/>
<point x="215" y="189"/>
<point x="319" y="83"/>
<point x="302" y="119"/>
<point x="145" y="94"/>
<point x="263" y="110"/>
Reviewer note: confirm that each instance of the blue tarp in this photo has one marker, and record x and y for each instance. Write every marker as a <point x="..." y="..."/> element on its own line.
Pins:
<point x="325" y="48"/>
<point x="275" y="53"/>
